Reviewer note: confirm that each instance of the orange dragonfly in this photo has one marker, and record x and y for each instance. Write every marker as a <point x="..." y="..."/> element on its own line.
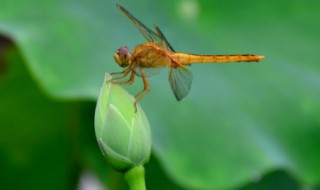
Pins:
<point x="148" y="58"/>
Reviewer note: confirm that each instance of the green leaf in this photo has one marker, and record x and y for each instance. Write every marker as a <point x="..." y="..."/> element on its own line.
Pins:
<point x="33" y="141"/>
<point x="239" y="121"/>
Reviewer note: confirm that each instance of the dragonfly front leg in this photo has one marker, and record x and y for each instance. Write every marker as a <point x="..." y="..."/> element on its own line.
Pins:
<point x="123" y="74"/>
<point x="128" y="82"/>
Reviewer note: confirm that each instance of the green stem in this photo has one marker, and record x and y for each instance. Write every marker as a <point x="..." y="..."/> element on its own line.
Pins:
<point x="135" y="178"/>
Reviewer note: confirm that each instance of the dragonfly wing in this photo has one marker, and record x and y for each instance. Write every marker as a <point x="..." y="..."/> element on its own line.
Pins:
<point x="148" y="71"/>
<point x="146" y="32"/>
<point x="149" y="34"/>
<point x="180" y="81"/>
<point x="164" y="41"/>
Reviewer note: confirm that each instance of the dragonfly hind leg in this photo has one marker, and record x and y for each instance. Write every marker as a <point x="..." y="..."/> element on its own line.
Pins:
<point x="146" y="85"/>
<point x="144" y="92"/>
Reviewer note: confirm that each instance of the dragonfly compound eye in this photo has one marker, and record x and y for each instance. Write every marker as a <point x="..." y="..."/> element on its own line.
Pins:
<point x="122" y="56"/>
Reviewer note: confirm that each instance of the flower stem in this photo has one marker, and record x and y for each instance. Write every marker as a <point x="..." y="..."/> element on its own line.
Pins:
<point x="135" y="178"/>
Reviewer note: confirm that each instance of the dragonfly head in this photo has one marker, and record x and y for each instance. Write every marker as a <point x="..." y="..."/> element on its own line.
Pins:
<point x="122" y="56"/>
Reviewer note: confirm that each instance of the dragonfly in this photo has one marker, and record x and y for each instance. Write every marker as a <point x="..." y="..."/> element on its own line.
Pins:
<point x="149" y="58"/>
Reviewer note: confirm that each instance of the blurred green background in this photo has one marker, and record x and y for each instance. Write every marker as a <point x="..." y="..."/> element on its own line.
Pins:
<point x="243" y="126"/>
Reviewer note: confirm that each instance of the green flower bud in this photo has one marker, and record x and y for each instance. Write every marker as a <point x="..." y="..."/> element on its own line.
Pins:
<point x="123" y="134"/>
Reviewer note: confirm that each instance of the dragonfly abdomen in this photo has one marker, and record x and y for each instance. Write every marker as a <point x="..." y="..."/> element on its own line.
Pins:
<point x="187" y="59"/>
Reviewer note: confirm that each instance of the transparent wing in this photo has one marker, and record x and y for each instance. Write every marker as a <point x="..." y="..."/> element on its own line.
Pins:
<point x="148" y="72"/>
<point x="147" y="32"/>
<point x="180" y="81"/>
<point x="163" y="38"/>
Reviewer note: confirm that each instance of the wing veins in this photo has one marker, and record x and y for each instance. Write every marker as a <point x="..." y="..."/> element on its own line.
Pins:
<point x="149" y="34"/>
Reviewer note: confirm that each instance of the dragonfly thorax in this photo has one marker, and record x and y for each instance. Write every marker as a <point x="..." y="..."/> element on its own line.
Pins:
<point x="122" y="56"/>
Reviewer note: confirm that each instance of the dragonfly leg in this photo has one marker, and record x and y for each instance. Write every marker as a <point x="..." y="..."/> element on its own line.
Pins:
<point x="118" y="73"/>
<point x="128" y="82"/>
<point x="123" y="74"/>
<point x="145" y="90"/>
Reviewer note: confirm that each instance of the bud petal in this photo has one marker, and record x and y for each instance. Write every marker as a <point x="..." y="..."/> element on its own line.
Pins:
<point x="123" y="135"/>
